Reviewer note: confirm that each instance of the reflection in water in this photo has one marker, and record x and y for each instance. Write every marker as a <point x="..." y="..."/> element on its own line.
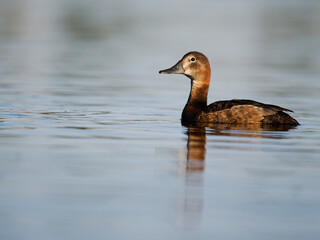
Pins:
<point x="196" y="145"/>
<point x="191" y="203"/>
<point x="196" y="149"/>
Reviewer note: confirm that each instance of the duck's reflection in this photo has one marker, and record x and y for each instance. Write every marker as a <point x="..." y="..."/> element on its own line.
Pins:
<point x="196" y="149"/>
<point x="191" y="202"/>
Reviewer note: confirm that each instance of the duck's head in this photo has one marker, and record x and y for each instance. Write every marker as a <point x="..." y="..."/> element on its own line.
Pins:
<point x="194" y="65"/>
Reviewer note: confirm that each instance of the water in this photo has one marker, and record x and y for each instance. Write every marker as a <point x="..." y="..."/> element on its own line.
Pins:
<point x="91" y="144"/>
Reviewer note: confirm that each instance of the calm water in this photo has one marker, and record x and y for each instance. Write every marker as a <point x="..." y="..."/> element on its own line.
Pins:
<point x="91" y="145"/>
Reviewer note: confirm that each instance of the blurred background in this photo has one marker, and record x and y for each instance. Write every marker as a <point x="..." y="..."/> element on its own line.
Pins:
<point x="248" y="42"/>
<point x="91" y="144"/>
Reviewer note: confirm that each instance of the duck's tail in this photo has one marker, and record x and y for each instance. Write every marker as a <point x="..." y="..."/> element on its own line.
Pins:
<point x="280" y="118"/>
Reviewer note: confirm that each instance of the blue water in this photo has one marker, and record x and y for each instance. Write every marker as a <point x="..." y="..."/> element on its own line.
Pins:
<point x="91" y="145"/>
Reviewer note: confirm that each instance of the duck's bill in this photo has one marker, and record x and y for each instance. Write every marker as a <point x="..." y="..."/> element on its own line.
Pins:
<point x="175" y="69"/>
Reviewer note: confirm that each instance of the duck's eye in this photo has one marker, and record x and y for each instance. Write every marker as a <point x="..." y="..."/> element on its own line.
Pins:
<point x="192" y="59"/>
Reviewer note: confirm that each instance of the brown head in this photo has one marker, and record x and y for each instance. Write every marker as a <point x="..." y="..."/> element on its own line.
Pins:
<point x="194" y="65"/>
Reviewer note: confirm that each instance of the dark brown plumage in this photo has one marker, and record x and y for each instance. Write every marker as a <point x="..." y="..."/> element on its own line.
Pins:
<point x="196" y="66"/>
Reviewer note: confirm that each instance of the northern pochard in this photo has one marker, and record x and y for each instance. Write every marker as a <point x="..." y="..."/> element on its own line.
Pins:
<point x="196" y="66"/>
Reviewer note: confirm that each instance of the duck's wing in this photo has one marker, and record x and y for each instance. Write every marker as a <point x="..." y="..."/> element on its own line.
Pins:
<point x="224" y="105"/>
<point x="246" y="111"/>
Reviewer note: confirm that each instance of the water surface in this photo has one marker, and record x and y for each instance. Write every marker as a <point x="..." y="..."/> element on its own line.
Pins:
<point x="91" y="144"/>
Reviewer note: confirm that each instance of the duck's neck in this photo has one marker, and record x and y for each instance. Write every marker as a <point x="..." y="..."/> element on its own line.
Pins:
<point x="197" y="101"/>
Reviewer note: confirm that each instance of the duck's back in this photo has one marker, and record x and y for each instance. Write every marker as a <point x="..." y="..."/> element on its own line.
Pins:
<point x="246" y="111"/>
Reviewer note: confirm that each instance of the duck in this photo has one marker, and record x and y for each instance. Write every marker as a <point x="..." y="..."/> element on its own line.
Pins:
<point x="196" y="67"/>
